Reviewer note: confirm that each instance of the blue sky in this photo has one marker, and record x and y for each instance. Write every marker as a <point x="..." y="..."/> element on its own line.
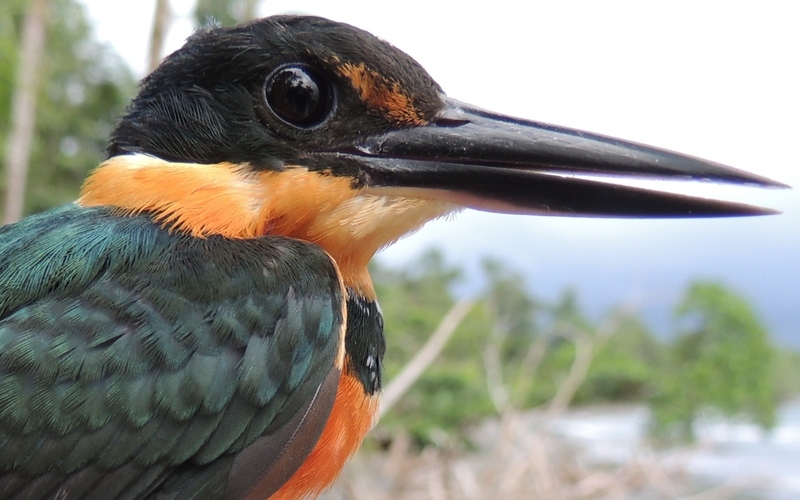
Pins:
<point x="714" y="79"/>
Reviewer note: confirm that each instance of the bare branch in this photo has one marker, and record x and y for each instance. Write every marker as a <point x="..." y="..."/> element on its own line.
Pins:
<point x="412" y="371"/>
<point x="494" y="368"/>
<point x="577" y="373"/>
<point x="526" y="378"/>
<point x="585" y="345"/>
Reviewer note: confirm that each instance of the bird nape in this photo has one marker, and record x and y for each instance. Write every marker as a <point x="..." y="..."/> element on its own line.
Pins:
<point x="201" y="322"/>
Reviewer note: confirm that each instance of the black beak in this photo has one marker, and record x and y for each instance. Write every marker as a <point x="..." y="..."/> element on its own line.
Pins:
<point x="488" y="161"/>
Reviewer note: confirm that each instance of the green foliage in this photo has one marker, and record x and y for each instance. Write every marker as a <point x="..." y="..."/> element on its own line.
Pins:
<point x="451" y="393"/>
<point x="413" y="301"/>
<point x="532" y="358"/>
<point x="527" y="341"/>
<point x="721" y="362"/>
<point x="536" y="385"/>
<point x="626" y="367"/>
<point x="787" y="374"/>
<point x="84" y="89"/>
<point x="511" y="302"/>
<point x="511" y="324"/>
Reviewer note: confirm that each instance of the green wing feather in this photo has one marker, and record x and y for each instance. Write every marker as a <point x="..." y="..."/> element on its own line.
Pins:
<point x="130" y="356"/>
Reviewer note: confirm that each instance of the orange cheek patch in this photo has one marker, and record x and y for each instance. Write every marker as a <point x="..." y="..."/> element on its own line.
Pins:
<point x="382" y="94"/>
<point x="199" y="199"/>
<point x="233" y="201"/>
<point x="223" y="198"/>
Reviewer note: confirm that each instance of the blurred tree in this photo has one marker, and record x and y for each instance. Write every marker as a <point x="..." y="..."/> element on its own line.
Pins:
<point x="23" y="107"/>
<point x="514" y="348"/>
<point x="577" y="366"/>
<point x="511" y="353"/>
<point x="721" y="362"/>
<point x="452" y="392"/>
<point x="626" y="367"/>
<point x="514" y="352"/>
<point x="162" y="22"/>
<point x="512" y="305"/>
<point x="787" y="374"/>
<point x="564" y="327"/>
<point x="426" y="356"/>
<point x="85" y="87"/>
<point x="413" y="300"/>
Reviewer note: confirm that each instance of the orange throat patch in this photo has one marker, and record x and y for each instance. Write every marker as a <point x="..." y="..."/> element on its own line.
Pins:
<point x="236" y="201"/>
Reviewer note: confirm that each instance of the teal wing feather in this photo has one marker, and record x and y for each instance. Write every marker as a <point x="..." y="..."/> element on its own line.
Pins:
<point x="139" y="363"/>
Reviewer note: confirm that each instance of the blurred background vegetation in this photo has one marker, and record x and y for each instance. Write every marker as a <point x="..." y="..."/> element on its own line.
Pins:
<point x="513" y="351"/>
<point x="83" y="89"/>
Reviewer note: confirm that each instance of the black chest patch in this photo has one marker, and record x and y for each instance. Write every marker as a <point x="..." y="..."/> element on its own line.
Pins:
<point x="364" y="341"/>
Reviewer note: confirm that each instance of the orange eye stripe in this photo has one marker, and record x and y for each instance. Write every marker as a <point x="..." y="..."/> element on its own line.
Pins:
<point x="382" y="94"/>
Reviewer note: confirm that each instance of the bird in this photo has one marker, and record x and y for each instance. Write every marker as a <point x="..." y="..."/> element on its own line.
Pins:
<point x="200" y="322"/>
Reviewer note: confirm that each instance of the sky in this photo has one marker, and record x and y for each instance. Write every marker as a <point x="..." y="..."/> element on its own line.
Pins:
<point x="714" y="79"/>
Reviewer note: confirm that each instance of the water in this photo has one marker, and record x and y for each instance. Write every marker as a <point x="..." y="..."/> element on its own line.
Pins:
<point x="757" y="463"/>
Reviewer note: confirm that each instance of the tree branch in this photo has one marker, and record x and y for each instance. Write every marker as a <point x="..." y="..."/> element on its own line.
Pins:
<point x="414" y="368"/>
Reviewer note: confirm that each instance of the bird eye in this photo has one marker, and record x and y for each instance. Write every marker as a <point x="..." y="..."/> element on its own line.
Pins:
<point x="298" y="96"/>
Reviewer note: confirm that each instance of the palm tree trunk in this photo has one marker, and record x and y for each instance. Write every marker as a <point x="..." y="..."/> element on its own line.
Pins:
<point x="23" y="108"/>
<point x="162" y="18"/>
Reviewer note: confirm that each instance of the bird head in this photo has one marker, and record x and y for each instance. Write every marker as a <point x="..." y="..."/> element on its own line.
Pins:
<point x="314" y="129"/>
<point x="276" y="93"/>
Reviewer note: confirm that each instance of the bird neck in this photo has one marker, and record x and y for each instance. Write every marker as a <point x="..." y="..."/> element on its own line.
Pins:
<point x="236" y="201"/>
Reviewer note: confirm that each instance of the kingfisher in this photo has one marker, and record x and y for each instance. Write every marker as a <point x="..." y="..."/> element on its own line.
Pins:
<point x="201" y="323"/>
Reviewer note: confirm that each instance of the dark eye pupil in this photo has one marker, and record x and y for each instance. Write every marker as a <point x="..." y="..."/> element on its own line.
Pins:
<point x="296" y="97"/>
